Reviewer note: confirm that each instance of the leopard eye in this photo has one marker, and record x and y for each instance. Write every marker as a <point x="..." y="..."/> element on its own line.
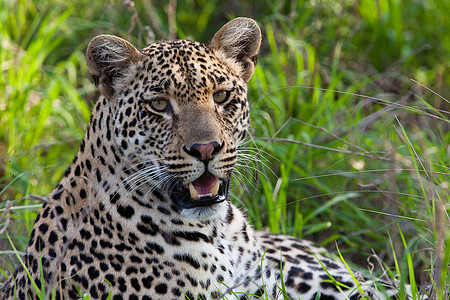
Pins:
<point x="159" y="104"/>
<point x="221" y="96"/>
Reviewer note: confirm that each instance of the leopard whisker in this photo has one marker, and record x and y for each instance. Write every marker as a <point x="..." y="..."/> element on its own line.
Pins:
<point x="243" y="180"/>
<point x="242" y="169"/>
<point x="151" y="162"/>
<point x="248" y="159"/>
<point x="163" y="184"/>
<point x="151" y="173"/>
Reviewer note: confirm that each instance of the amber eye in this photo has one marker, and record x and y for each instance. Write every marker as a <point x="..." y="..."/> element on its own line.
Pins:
<point x="159" y="104"/>
<point x="221" y="96"/>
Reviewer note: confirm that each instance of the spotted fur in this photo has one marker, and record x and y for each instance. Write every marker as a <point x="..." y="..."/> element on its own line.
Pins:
<point x="112" y="226"/>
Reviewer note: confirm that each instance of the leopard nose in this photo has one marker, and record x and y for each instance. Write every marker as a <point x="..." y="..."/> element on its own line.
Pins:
<point x="204" y="152"/>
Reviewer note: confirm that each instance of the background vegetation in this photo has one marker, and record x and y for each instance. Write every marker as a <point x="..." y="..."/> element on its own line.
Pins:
<point x="350" y="118"/>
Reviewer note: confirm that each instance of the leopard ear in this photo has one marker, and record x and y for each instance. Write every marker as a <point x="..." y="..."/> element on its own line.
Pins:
<point x="239" y="39"/>
<point x="108" y="58"/>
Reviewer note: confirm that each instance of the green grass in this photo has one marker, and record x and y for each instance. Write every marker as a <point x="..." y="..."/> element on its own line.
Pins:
<point x="350" y="118"/>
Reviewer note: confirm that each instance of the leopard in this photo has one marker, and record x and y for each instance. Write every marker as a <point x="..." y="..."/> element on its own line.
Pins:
<point x="144" y="210"/>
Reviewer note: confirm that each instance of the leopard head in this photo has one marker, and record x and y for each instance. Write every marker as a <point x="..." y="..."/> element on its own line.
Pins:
<point x="179" y="109"/>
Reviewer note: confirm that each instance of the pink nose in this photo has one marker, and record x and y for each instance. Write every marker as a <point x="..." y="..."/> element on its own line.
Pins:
<point x="204" y="152"/>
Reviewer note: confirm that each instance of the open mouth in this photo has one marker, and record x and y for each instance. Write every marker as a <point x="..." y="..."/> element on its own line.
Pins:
<point x="204" y="191"/>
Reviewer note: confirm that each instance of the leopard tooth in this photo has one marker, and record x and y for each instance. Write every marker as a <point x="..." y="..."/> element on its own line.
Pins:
<point x="215" y="188"/>
<point x="193" y="191"/>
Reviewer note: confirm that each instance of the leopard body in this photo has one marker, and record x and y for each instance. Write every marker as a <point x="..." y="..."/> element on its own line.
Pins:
<point x="118" y="224"/>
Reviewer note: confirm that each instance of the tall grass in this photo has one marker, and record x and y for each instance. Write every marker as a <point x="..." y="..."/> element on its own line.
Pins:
<point x="42" y="108"/>
<point x="350" y="118"/>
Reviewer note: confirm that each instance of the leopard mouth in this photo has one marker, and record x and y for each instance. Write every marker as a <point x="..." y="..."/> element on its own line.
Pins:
<point x="206" y="190"/>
